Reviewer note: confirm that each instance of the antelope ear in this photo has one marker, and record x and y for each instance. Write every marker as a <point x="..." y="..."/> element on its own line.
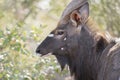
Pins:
<point x="80" y="15"/>
<point x="84" y="11"/>
<point x="75" y="17"/>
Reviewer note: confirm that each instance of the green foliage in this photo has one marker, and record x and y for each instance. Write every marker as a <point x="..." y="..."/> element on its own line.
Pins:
<point x="107" y="14"/>
<point x="25" y="23"/>
<point x="22" y="26"/>
<point x="18" y="63"/>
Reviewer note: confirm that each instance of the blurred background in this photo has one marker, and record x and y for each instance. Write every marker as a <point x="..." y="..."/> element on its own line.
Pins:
<point x="25" y="23"/>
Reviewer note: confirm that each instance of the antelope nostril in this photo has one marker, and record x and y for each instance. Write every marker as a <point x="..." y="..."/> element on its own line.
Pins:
<point x="38" y="51"/>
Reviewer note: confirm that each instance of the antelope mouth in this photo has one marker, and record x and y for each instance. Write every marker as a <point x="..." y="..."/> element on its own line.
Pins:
<point x="42" y="52"/>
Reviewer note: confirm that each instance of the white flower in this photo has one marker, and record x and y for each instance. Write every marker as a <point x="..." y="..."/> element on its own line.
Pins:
<point x="13" y="39"/>
<point x="0" y="44"/>
<point x="1" y="56"/>
<point x="8" y="32"/>
<point x="17" y="40"/>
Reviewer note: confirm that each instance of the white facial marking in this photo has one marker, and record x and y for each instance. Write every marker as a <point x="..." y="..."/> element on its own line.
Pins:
<point x="62" y="49"/>
<point x="65" y="39"/>
<point x="51" y="35"/>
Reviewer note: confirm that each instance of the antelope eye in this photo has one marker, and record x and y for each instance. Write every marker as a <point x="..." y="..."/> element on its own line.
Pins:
<point x="60" y="32"/>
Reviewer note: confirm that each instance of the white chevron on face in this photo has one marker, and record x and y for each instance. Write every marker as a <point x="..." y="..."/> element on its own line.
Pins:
<point x="51" y="35"/>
